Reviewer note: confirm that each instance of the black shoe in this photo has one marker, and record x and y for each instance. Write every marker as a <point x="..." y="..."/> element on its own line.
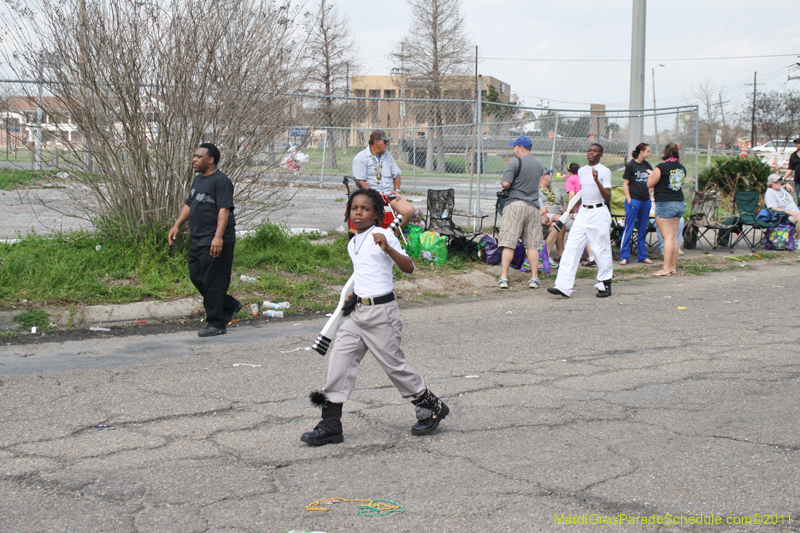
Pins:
<point x="211" y="331"/>
<point x="553" y="290"/>
<point x="430" y="411"/>
<point x="588" y="263"/>
<point x="607" y="292"/>
<point x="320" y="437"/>
<point x="428" y="425"/>
<point x="229" y="317"/>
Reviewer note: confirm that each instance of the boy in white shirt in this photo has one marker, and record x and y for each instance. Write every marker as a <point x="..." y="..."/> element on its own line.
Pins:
<point x="373" y="324"/>
<point x="592" y="224"/>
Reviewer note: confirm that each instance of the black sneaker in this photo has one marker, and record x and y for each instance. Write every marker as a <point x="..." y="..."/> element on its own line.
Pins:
<point x="553" y="290"/>
<point x="229" y="317"/>
<point x="211" y="331"/>
<point x="321" y="437"/>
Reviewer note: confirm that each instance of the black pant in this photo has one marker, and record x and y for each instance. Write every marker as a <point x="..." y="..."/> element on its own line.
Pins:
<point x="212" y="276"/>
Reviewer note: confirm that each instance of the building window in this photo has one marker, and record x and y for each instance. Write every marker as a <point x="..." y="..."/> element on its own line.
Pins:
<point x="387" y="93"/>
<point x="374" y="93"/>
<point x="360" y="93"/>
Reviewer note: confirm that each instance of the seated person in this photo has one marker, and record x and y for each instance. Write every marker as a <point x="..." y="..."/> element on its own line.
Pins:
<point x="552" y="205"/>
<point x="778" y="199"/>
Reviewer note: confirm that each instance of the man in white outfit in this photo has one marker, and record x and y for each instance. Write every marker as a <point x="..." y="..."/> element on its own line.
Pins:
<point x="592" y="224"/>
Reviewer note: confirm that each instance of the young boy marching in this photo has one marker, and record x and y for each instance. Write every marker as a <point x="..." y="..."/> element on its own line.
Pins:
<point x="374" y="325"/>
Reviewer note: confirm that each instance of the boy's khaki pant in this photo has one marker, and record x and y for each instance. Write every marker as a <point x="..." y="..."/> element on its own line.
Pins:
<point x="379" y="329"/>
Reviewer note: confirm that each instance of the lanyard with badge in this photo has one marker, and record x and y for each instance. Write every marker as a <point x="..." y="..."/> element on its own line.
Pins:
<point x="378" y="170"/>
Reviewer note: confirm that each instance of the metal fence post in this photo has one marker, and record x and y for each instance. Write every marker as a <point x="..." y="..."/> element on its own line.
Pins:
<point x="480" y="144"/>
<point x="697" y="147"/>
<point x="553" y="150"/>
<point x="324" y="148"/>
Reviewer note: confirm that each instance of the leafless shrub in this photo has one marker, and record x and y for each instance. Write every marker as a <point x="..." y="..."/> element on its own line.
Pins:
<point x="143" y="83"/>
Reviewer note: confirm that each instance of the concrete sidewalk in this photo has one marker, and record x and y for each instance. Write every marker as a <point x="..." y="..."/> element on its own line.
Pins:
<point x="677" y="396"/>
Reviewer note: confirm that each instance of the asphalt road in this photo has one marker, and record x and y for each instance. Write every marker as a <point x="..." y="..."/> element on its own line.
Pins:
<point x="677" y="396"/>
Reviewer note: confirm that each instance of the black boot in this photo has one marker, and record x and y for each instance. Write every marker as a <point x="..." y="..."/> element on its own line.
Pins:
<point x="607" y="292"/>
<point x="329" y="429"/>
<point x="430" y="411"/>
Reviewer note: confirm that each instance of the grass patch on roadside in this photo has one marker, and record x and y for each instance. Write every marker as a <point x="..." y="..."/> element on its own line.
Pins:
<point x="11" y="179"/>
<point x="83" y="269"/>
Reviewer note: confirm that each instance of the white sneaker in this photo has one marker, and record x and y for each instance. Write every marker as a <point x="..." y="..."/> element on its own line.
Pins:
<point x="534" y="284"/>
<point x="680" y="252"/>
<point x="553" y="264"/>
<point x="503" y="284"/>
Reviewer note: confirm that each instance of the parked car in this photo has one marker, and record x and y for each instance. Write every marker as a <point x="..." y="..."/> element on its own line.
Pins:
<point x="775" y="147"/>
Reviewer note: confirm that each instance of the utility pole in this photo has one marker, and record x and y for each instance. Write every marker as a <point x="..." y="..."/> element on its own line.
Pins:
<point x="753" y="116"/>
<point x="635" y="127"/>
<point x="655" y="115"/>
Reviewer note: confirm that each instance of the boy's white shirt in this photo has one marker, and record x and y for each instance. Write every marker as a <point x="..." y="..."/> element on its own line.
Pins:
<point x="372" y="266"/>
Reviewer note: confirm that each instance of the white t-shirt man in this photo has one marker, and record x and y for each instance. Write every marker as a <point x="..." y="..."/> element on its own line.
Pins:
<point x="590" y="194"/>
<point x="780" y="199"/>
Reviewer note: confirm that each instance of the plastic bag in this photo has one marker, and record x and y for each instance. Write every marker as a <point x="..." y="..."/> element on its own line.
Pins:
<point x="293" y="161"/>
<point x="414" y="237"/>
<point x="489" y="251"/>
<point x="780" y="237"/>
<point x="433" y="247"/>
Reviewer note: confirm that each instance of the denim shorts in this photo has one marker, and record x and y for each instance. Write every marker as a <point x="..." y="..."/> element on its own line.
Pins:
<point x="670" y="209"/>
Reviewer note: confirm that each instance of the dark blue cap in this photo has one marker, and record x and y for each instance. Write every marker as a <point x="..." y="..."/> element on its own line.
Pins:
<point x="521" y="141"/>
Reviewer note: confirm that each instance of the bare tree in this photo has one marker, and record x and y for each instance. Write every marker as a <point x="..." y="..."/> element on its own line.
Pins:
<point x="331" y="57"/>
<point x="777" y="114"/>
<point x="144" y="83"/>
<point x="710" y="113"/>
<point x="436" y="47"/>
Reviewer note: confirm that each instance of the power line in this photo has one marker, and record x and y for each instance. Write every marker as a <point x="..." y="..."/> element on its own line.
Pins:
<point x="551" y="60"/>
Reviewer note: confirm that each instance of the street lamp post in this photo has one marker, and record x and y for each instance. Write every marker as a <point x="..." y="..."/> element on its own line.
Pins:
<point x="655" y="116"/>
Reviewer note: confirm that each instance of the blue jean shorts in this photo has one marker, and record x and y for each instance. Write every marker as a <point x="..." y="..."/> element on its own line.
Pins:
<point x="670" y="209"/>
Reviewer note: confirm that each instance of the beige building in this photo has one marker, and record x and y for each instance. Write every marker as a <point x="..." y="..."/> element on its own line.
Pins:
<point x="407" y="119"/>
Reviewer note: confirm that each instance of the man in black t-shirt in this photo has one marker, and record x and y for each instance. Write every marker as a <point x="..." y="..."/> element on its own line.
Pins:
<point x="209" y="210"/>
<point x="794" y="166"/>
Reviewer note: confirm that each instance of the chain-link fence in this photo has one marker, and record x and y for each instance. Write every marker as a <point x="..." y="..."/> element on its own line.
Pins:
<point x="438" y="144"/>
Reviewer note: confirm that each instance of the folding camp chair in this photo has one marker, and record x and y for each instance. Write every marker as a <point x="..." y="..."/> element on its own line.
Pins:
<point x="703" y="220"/>
<point x="441" y="204"/>
<point x="617" y="208"/>
<point x="746" y="205"/>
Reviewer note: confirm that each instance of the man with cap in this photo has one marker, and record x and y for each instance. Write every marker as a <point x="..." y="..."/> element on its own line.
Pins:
<point x="551" y="204"/>
<point x="778" y="199"/>
<point x="521" y="212"/>
<point x="375" y="168"/>
<point x="794" y="166"/>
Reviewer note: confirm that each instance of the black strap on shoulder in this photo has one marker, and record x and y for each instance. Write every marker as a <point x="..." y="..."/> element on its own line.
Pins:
<point x="519" y="167"/>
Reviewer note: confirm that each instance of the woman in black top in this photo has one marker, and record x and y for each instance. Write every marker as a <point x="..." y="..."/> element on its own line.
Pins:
<point x="667" y="182"/>
<point x="637" y="204"/>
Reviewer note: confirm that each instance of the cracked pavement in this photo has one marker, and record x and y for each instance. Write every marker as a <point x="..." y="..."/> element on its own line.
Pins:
<point x="627" y="405"/>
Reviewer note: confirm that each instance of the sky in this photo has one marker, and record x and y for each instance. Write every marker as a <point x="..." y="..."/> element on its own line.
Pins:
<point x="558" y="53"/>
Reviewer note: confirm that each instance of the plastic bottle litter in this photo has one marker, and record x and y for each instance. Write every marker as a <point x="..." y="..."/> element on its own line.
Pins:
<point x="95" y="328"/>
<point x="276" y="305"/>
<point x="444" y="213"/>
<point x="254" y="309"/>
<point x="247" y="279"/>
<point x="273" y="314"/>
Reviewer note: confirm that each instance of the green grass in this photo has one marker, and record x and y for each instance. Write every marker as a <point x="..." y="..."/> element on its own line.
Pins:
<point x="33" y="318"/>
<point x="11" y="179"/>
<point x="81" y="269"/>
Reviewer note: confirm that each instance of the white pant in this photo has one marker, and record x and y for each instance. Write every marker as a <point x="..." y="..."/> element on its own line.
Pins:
<point x="592" y="225"/>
